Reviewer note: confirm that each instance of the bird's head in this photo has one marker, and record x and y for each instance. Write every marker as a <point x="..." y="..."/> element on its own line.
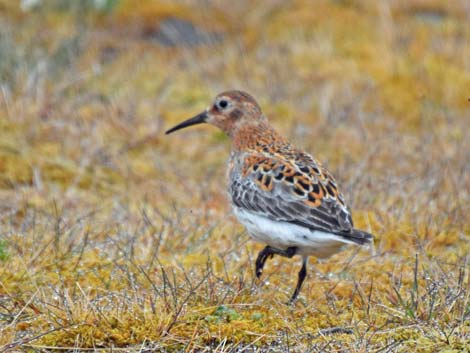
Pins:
<point x="229" y="111"/>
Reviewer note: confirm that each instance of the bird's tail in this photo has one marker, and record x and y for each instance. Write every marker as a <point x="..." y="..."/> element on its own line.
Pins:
<point x="358" y="237"/>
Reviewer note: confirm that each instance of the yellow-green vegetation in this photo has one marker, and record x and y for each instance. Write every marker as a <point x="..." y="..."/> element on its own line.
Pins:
<point x="115" y="236"/>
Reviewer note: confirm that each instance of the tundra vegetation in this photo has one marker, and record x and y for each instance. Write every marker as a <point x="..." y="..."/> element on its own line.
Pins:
<point x="115" y="236"/>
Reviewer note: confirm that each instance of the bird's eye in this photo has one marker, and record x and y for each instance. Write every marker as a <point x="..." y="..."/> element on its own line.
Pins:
<point x="222" y="104"/>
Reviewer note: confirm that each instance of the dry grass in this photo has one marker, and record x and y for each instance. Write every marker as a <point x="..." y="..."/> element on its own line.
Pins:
<point x="115" y="237"/>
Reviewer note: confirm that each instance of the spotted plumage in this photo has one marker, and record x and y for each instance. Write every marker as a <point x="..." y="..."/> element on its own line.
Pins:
<point x="283" y="196"/>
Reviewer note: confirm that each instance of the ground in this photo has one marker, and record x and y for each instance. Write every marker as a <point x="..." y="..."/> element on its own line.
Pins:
<point x="114" y="236"/>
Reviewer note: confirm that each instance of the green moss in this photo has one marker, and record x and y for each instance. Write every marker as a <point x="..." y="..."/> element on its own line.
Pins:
<point x="3" y="250"/>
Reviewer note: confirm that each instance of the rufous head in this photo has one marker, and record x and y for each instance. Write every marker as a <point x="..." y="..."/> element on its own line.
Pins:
<point x="229" y="111"/>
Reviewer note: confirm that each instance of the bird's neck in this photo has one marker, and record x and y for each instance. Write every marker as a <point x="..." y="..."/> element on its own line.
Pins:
<point x="255" y="136"/>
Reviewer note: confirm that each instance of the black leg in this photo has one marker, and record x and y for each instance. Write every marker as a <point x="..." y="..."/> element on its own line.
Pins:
<point x="270" y="252"/>
<point x="261" y="259"/>
<point x="302" y="275"/>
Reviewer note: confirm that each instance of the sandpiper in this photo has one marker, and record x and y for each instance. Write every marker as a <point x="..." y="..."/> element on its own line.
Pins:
<point x="281" y="194"/>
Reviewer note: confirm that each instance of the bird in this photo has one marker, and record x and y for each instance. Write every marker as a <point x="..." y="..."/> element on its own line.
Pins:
<point x="284" y="197"/>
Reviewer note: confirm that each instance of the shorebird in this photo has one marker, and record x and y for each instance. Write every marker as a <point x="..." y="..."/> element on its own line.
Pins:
<point x="281" y="194"/>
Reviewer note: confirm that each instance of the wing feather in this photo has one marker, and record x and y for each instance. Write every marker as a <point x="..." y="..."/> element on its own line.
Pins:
<point x="297" y="191"/>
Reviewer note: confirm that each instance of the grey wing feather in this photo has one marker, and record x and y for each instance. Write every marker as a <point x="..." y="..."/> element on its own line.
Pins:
<point x="280" y="204"/>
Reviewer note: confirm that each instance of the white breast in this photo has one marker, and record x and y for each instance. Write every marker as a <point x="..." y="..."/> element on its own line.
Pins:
<point x="282" y="235"/>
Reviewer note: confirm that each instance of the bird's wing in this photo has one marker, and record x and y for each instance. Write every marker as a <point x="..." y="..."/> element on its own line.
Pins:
<point x="298" y="191"/>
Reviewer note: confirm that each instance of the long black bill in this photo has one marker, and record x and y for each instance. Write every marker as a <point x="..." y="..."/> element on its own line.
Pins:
<point x="198" y="119"/>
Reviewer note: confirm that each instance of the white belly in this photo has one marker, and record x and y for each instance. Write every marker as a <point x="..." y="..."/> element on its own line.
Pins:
<point x="282" y="235"/>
